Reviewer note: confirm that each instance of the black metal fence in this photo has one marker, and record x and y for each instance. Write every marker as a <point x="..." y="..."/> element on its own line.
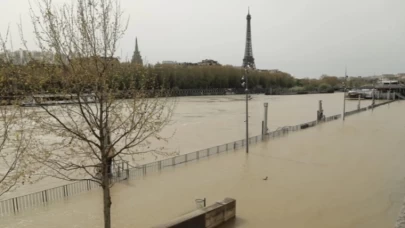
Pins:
<point x="23" y="203"/>
<point x="366" y="108"/>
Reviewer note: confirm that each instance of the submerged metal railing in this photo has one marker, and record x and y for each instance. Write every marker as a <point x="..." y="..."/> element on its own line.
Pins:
<point x="367" y="108"/>
<point x="45" y="197"/>
<point x="23" y="203"/>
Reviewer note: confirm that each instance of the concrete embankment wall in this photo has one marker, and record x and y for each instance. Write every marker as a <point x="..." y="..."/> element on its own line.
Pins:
<point x="208" y="217"/>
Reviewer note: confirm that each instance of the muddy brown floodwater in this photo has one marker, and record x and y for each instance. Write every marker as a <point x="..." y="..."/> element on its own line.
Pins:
<point x="339" y="174"/>
<point x="206" y="121"/>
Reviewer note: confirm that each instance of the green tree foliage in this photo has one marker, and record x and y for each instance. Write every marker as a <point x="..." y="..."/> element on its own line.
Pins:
<point x="332" y="81"/>
<point x="324" y="88"/>
<point x="204" y="77"/>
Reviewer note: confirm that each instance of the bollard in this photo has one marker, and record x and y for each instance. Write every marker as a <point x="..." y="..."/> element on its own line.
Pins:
<point x="373" y="103"/>
<point x="264" y="123"/>
<point x="320" y="112"/>
<point x="358" y="105"/>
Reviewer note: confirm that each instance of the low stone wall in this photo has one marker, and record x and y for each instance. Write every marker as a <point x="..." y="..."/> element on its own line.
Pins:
<point x="208" y="217"/>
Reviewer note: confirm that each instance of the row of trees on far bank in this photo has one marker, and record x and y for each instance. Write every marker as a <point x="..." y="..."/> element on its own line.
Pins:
<point x="30" y="77"/>
<point x="126" y="76"/>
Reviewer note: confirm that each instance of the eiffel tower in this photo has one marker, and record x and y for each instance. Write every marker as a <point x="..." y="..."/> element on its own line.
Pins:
<point x="248" y="60"/>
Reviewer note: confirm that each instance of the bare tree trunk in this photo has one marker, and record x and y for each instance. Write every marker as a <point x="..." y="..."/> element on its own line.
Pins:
<point x="106" y="197"/>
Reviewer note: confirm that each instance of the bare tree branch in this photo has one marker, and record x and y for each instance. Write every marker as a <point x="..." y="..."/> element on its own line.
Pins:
<point x="88" y="137"/>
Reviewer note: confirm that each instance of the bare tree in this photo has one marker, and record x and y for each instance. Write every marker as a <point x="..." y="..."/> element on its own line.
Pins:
<point x="16" y="167"/>
<point x="100" y="127"/>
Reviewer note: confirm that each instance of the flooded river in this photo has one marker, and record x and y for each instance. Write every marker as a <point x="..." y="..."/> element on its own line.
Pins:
<point x="207" y="121"/>
<point x="337" y="174"/>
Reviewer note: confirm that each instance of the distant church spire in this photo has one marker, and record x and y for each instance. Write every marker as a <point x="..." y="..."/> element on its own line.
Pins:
<point x="136" y="57"/>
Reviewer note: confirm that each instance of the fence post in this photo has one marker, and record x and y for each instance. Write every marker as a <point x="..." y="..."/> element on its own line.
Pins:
<point x="122" y="167"/>
<point x="198" y="155"/>
<point x="64" y="191"/>
<point x="234" y="145"/>
<point x="217" y="149"/>
<point x="119" y="170"/>
<point x="127" y="170"/>
<point x="226" y="148"/>
<point x="160" y="165"/>
<point x="88" y="185"/>
<point x="14" y="207"/>
<point x="144" y="169"/>
<point x="44" y="196"/>
<point x="173" y="161"/>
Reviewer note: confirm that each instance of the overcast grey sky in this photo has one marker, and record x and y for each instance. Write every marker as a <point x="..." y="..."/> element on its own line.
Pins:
<point x="306" y="38"/>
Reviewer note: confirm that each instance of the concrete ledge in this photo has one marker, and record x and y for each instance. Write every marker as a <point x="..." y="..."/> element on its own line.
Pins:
<point x="208" y="217"/>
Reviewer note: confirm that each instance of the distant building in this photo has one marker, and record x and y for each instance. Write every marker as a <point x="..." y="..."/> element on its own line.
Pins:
<point x="169" y="62"/>
<point x="401" y="75"/>
<point x="22" y="57"/>
<point x="271" y="71"/>
<point x="188" y="64"/>
<point x="274" y="71"/>
<point x="136" y="57"/>
<point x="208" y="62"/>
<point x="389" y="82"/>
<point x="388" y="75"/>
